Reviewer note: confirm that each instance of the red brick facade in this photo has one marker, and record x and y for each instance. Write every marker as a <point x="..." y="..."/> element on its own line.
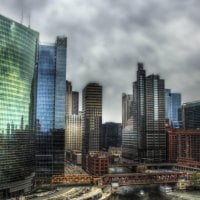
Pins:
<point x="97" y="164"/>
<point x="184" y="146"/>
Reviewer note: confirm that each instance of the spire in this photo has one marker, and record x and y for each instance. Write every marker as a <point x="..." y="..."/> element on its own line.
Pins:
<point x="140" y="66"/>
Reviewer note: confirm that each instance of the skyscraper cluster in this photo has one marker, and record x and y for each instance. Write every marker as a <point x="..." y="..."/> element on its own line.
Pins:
<point x="33" y="100"/>
<point x="155" y="126"/>
<point x="143" y="116"/>
<point x="40" y="121"/>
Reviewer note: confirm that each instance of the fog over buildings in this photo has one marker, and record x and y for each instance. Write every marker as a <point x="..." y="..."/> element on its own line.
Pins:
<point x="106" y="39"/>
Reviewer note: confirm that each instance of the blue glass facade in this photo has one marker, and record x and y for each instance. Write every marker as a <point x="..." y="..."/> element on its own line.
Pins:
<point x="51" y="102"/>
<point x="176" y="105"/>
<point x="18" y="58"/>
<point x="172" y="106"/>
<point x="60" y="84"/>
<point x="46" y="88"/>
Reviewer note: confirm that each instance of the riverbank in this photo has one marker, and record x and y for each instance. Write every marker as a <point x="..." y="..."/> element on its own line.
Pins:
<point x="72" y="193"/>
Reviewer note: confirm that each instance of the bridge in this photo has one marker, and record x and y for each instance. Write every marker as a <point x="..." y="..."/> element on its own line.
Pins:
<point x="72" y="179"/>
<point x="144" y="164"/>
<point x="121" y="179"/>
<point x="144" y="178"/>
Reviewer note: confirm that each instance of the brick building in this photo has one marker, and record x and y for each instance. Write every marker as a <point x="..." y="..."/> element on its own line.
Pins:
<point x="97" y="163"/>
<point x="184" y="146"/>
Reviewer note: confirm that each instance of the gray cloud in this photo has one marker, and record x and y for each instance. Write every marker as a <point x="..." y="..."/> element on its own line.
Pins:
<point x="106" y="39"/>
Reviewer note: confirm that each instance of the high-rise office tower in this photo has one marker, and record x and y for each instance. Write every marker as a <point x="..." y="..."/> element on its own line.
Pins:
<point x="51" y="102"/>
<point x="172" y="106"/>
<point x="18" y="60"/>
<point x="92" y="119"/>
<point x="127" y="126"/>
<point x="148" y="115"/>
<point x="73" y="134"/>
<point x="140" y="93"/>
<point x="191" y="115"/>
<point x="155" y="116"/>
<point x="72" y="99"/>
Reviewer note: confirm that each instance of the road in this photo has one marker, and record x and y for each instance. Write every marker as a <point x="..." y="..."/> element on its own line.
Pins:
<point x="59" y="193"/>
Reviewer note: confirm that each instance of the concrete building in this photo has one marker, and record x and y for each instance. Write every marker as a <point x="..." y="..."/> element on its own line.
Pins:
<point x="92" y="119"/>
<point x="77" y="157"/>
<point x="73" y="133"/>
<point x="18" y="63"/>
<point x="115" y="154"/>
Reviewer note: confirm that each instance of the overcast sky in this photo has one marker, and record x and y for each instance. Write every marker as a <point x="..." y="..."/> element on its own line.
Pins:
<point x="106" y="39"/>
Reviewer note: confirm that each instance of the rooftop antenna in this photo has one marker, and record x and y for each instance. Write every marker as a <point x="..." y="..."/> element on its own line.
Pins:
<point x="22" y="14"/>
<point x="29" y="19"/>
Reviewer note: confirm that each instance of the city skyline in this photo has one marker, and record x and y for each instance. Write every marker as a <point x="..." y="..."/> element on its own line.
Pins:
<point x="106" y="40"/>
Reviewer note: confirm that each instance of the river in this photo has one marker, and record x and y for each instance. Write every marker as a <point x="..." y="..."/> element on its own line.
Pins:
<point x="151" y="193"/>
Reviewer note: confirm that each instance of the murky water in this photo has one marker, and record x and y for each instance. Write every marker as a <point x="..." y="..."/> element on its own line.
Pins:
<point x="151" y="193"/>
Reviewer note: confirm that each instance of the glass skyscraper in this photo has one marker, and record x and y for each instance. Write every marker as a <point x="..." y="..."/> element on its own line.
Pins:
<point x="18" y="58"/>
<point x="172" y="106"/>
<point x="51" y="102"/>
<point x="155" y="115"/>
<point x="128" y="139"/>
<point x="148" y="115"/>
<point x="191" y="115"/>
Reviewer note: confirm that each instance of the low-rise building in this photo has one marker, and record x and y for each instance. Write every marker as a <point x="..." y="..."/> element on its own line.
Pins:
<point x="97" y="163"/>
<point x="115" y="154"/>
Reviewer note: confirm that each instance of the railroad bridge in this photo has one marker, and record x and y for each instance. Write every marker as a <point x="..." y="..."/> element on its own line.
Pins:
<point x="122" y="179"/>
<point x="144" y="178"/>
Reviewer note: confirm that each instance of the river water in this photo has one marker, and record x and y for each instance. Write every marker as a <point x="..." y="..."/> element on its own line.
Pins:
<point x="151" y="193"/>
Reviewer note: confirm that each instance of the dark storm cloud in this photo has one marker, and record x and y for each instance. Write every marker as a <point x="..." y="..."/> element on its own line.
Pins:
<point x="106" y="39"/>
